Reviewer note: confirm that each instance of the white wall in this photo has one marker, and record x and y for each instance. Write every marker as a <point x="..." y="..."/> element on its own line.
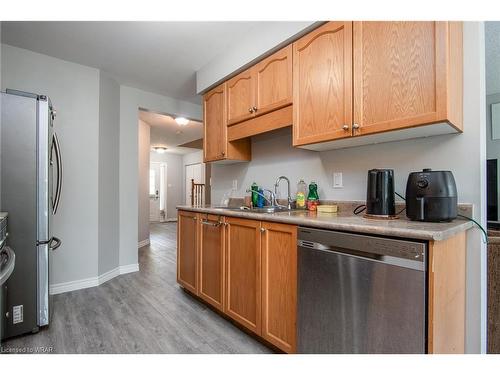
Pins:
<point x="143" y="183"/>
<point x="109" y="137"/>
<point x="74" y="91"/>
<point x="273" y="155"/>
<point x="175" y="192"/>
<point x="131" y="100"/>
<point x="95" y="151"/>
<point x="259" y="42"/>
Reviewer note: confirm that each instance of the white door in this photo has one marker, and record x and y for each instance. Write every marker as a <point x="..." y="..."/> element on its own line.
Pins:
<point x="193" y="171"/>
<point x="157" y="191"/>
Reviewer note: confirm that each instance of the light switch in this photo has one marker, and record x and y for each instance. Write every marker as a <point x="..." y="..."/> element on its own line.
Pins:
<point x="337" y="180"/>
<point x="235" y="184"/>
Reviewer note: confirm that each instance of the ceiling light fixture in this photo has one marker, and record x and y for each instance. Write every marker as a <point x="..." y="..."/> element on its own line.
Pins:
<point x="182" y="121"/>
<point x="160" y="149"/>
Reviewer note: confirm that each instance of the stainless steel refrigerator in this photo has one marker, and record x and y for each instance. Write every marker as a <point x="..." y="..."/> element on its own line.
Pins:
<point x="31" y="182"/>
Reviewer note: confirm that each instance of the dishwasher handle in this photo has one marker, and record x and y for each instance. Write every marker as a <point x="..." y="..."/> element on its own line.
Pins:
<point x="371" y="257"/>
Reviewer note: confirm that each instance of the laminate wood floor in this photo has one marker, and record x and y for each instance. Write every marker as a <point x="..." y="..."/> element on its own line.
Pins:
<point x="141" y="312"/>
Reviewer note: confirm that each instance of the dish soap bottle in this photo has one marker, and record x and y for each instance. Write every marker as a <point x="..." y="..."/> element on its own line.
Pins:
<point x="312" y="197"/>
<point x="301" y="195"/>
<point x="260" y="199"/>
<point x="255" y="189"/>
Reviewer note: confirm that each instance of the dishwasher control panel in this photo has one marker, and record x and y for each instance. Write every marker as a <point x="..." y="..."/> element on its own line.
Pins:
<point x="359" y="243"/>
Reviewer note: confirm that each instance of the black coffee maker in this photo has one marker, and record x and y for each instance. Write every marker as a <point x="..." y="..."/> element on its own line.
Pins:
<point x="380" y="202"/>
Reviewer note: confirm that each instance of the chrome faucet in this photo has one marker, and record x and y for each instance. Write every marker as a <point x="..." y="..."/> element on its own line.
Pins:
<point x="276" y="186"/>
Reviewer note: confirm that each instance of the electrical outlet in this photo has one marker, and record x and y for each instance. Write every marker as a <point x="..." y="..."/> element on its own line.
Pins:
<point x="235" y="184"/>
<point x="337" y="180"/>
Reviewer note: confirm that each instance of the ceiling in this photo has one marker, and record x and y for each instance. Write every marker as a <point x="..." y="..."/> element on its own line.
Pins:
<point x="160" y="57"/>
<point x="166" y="132"/>
<point x="492" y="51"/>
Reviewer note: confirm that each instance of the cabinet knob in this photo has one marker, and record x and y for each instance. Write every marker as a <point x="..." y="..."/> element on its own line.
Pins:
<point x="194" y="218"/>
<point x="345" y="127"/>
<point x="262" y="230"/>
<point x="250" y="110"/>
<point x="254" y="109"/>
<point x="223" y="153"/>
<point x="355" y="126"/>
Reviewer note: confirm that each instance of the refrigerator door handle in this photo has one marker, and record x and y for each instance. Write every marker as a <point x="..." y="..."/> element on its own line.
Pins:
<point x="57" y="150"/>
<point x="54" y="243"/>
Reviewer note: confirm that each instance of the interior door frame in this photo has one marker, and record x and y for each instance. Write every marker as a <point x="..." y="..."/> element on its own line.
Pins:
<point x="165" y="183"/>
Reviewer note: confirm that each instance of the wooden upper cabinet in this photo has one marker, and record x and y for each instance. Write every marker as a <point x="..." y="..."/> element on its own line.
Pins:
<point x="406" y="74"/>
<point x="243" y="273"/>
<point x="263" y="88"/>
<point x="216" y="146"/>
<point x="240" y="97"/>
<point x="322" y="84"/>
<point x="279" y="285"/>
<point x="214" y="121"/>
<point x="187" y="250"/>
<point x="273" y="81"/>
<point x="211" y="280"/>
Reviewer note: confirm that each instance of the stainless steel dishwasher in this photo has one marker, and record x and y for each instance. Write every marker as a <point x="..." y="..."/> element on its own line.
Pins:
<point x="360" y="293"/>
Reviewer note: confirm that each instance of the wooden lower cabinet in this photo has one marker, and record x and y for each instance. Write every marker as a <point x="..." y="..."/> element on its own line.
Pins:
<point x="246" y="269"/>
<point x="446" y="310"/>
<point x="187" y="250"/>
<point x="243" y="273"/>
<point x="279" y="285"/>
<point x="211" y="260"/>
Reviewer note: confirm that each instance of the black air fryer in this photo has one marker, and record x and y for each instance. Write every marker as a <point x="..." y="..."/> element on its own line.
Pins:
<point x="431" y="196"/>
<point x="380" y="194"/>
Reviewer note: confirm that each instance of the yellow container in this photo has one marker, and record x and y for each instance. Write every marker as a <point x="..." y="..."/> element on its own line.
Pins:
<point x="327" y="208"/>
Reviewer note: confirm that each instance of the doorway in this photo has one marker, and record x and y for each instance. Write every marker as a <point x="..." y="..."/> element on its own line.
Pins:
<point x="157" y="192"/>
<point x="193" y="172"/>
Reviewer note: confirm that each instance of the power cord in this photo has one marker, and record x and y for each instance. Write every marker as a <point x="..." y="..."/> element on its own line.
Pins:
<point x="403" y="198"/>
<point x="359" y="209"/>
<point x="485" y="234"/>
<point x="362" y="207"/>
<point x="400" y="196"/>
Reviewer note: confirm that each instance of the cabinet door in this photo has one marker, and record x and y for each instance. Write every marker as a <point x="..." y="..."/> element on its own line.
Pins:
<point x="273" y="80"/>
<point x="240" y="97"/>
<point x="399" y="74"/>
<point x="187" y="250"/>
<point x="279" y="285"/>
<point x="211" y="259"/>
<point x="322" y="84"/>
<point x="214" y="123"/>
<point x="243" y="279"/>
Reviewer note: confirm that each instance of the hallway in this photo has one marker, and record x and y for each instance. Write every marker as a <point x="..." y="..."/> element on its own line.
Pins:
<point x="141" y="312"/>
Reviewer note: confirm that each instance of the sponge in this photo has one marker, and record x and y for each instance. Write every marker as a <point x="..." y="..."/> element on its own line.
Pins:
<point x="329" y="208"/>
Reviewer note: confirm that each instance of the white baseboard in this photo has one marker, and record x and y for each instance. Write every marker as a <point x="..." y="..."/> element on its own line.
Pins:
<point x="129" y="268"/>
<point x="93" y="281"/>
<point x="143" y="243"/>
<point x="106" y="276"/>
<point x="73" y="285"/>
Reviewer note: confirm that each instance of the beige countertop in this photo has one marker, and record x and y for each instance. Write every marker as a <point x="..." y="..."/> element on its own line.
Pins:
<point x="346" y="221"/>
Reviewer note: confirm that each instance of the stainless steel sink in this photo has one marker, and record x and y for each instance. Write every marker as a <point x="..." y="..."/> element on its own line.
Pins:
<point x="263" y="210"/>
